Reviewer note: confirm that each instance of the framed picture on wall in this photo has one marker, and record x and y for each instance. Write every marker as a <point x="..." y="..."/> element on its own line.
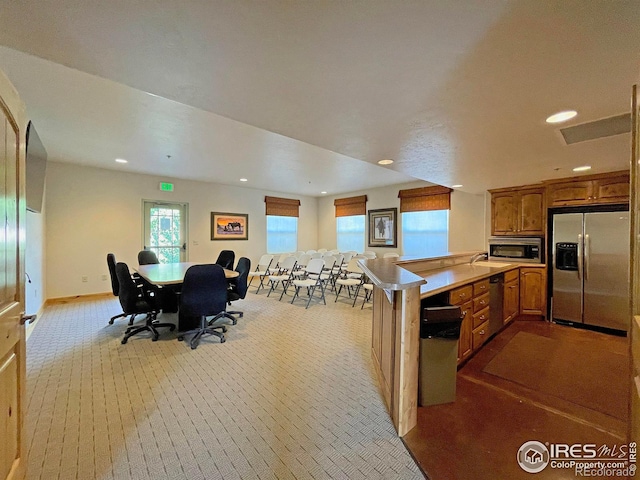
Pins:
<point x="383" y="228"/>
<point x="229" y="226"/>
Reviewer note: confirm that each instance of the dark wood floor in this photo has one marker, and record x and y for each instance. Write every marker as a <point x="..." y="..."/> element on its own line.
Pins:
<point x="576" y="400"/>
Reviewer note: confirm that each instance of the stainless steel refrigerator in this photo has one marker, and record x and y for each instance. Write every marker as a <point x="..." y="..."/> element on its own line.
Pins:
<point x="590" y="268"/>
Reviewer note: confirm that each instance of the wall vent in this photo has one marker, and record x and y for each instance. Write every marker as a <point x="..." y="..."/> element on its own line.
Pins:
<point x="605" y="127"/>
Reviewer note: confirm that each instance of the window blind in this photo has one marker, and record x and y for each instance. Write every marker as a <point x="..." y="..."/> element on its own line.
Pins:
<point x="425" y="198"/>
<point x="345" y="207"/>
<point x="283" y="207"/>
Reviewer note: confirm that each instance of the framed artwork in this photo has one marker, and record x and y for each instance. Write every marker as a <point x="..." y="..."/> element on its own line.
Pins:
<point x="383" y="228"/>
<point x="229" y="226"/>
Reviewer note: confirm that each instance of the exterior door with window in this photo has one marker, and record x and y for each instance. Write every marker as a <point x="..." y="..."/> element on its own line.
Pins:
<point x="165" y="227"/>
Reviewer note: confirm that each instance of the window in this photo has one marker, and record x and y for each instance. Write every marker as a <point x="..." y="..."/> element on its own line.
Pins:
<point x="425" y="233"/>
<point x="282" y="234"/>
<point x="350" y="233"/>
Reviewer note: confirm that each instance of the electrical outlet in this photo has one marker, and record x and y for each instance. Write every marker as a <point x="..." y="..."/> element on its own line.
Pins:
<point x="85" y="278"/>
<point x="104" y="278"/>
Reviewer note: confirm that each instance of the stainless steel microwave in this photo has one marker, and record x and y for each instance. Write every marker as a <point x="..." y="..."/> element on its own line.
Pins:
<point x="517" y="249"/>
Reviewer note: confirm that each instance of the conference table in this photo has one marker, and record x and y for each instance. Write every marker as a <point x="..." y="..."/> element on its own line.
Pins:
<point x="169" y="276"/>
<point x="171" y="273"/>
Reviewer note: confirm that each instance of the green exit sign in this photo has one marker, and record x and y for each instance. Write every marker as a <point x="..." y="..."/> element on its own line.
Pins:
<point x="166" y="187"/>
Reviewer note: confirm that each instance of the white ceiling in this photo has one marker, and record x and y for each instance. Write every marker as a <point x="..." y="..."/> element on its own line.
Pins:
<point x="302" y="97"/>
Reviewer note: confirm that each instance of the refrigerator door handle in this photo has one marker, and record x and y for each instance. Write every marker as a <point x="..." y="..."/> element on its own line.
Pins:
<point x="580" y="256"/>
<point x="586" y="256"/>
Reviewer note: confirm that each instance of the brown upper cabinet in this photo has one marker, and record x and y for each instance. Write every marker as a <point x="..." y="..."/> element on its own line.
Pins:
<point x="518" y="211"/>
<point x="589" y="190"/>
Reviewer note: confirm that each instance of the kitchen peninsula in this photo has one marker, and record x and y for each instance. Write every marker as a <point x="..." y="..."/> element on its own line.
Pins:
<point x="400" y="289"/>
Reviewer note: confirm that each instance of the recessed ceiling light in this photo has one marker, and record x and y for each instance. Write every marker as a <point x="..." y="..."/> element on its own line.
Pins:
<point x="385" y="162"/>
<point x="584" y="168"/>
<point x="244" y="180"/>
<point x="323" y="193"/>
<point x="456" y="186"/>
<point x="561" y="116"/>
<point x="121" y="160"/>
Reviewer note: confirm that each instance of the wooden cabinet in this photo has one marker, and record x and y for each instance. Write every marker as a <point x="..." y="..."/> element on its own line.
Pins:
<point x="589" y="190"/>
<point x="511" y="299"/>
<point x="474" y="302"/>
<point x="533" y="291"/>
<point x="465" y="345"/>
<point x="518" y="211"/>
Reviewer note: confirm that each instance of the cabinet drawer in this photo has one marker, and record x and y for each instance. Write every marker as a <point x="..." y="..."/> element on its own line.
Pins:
<point x="480" y="302"/>
<point x="510" y="275"/>
<point x="480" y="287"/>
<point x="480" y="317"/>
<point x="460" y="295"/>
<point x="480" y="335"/>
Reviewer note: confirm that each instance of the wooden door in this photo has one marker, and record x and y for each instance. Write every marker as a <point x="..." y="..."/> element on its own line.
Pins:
<point x="12" y="334"/>
<point x="464" y="344"/>
<point x="511" y="300"/>
<point x="532" y="291"/>
<point x="503" y="212"/>
<point x="531" y="207"/>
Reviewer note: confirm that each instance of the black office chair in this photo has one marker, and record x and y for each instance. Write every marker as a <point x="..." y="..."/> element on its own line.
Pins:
<point x="238" y="286"/>
<point x="204" y="294"/>
<point x="226" y="259"/>
<point x="135" y="304"/>
<point x="147" y="257"/>
<point x="115" y="286"/>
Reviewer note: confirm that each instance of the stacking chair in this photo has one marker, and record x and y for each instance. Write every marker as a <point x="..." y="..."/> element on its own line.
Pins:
<point x="226" y="258"/>
<point x="262" y="270"/>
<point x="390" y="255"/>
<point x="115" y="286"/>
<point x="147" y="257"/>
<point x="316" y="255"/>
<point x="204" y="294"/>
<point x="283" y="276"/>
<point x="370" y="255"/>
<point x="312" y="282"/>
<point x="352" y="279"/>
<point x="322" y="250"/>
<point x="327" y="272"/>
<point x="368" y="290"/>
<point x="134" y="304"/>
<point x="238" y="287"/>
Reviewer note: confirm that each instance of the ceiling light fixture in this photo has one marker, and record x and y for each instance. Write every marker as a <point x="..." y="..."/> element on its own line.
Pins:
<point x="385" y="162"/>
<point x="561" y="116"/>
<point x="121" y="160"/>
<point x="323" y="193"/>
<point x="244" y="180"/>
<point x="456" y="186"/>
<point x="584" y="168"/>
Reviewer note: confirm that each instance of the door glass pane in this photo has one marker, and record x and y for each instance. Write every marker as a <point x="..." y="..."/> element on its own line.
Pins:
<point x="165" y="227"/>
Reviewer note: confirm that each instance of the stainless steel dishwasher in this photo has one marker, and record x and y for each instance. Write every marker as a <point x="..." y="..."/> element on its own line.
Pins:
<point x="496" y="295"/>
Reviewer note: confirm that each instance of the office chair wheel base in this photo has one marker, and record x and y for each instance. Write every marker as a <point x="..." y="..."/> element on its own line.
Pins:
<point x="180" y="338"/>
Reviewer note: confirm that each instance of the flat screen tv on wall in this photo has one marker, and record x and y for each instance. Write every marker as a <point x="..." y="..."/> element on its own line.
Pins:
<point x="36" y="166"/>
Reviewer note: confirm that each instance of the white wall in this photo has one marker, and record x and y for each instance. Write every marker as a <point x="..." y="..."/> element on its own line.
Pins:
<point x="92" y="212"/>
<point x="466" y="218"/>
<point x="34" y="260"/>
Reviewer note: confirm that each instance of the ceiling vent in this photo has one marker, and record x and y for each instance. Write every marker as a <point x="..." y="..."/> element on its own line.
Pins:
<point x="605" y="127"/>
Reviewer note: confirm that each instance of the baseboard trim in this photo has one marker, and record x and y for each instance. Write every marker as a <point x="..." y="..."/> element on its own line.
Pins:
<point x="77" y="298"/>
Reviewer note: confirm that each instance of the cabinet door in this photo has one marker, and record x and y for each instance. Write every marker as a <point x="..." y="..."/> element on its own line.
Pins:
<point x="503" y="213"/>
<point x="570" y="193"/>
<point x="531" y="207"/>
<point x="533" y="292"/>
<point x="464" y="344"/>
<point x="511" y="304"/>
<point x="611" y="190"/>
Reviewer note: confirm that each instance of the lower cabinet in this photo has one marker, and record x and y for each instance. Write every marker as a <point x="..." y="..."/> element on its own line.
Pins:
<point x="474" y="302"/>
<point x="511" y="299"/>
<point x="465" y="344"/>
<point x="533" y="291"/>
